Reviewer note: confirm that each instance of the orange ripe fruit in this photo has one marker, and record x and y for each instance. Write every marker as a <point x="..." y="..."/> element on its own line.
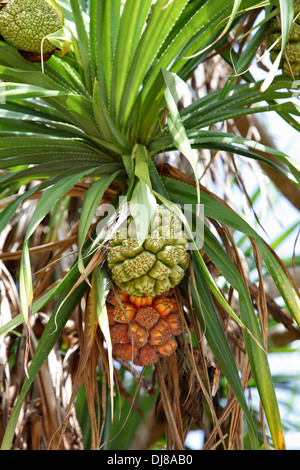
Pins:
<point x="160" y="333"/>
<point x="163" y="306"/>
<point x="118" y="333"/>
<point x="141" y="301"/>
<point x="142" y="328"/>
<point x="146" y="356"/>
<point x="174" y="323"/>
<point x="167" y="348"/>
<point x="126" y="351"/>
<point x="147" y="316"/>
<point x="136" y="334"/>
<point x="111" y="320"/>
<point x="125" y="313"/>
<point x="123" y="296"/>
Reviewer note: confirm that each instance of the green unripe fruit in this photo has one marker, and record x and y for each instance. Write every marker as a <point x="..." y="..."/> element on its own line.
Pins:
<point x="24" y="24"/>
<point x="157" y="265"/>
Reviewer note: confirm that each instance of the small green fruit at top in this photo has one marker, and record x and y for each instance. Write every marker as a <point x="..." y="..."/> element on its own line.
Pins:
<point x="24" y="24"/>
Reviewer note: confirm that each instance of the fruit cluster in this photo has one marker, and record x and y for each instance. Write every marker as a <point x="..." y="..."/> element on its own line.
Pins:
<point x="157" y="265"/>
<point x="142" y="328"/>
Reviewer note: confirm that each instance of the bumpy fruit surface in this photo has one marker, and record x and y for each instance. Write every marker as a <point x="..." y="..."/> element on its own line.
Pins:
<point x="290" y="62"/>
<point x="154" y="267"/>
<point x="24" y="23"/>
<point x="145" y="330"/>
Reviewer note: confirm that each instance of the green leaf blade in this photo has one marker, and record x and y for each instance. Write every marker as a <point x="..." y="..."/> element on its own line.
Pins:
<point x="172" y="94"/>
<point x="132" y="21"/>
<point x="91" y="200"/>
<point x="51" y="196"/>
<point x="157" y="29"/>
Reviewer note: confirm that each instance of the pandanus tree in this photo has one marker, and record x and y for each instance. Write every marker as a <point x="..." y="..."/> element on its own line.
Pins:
<point x="91" y="112"/>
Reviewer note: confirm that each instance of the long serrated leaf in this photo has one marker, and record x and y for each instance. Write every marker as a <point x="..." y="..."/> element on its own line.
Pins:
<point x="257" y="356"/>
<point x="222" y="137"/>
<point x="238" y="151"/>
<point x="96" y="17"/>
<point x="222" y="213"/>
<point x="83" y="42"/>
<point x="8" y="212"/>
<point x="31" y="77"/>
<point x="21" y="127"/>
<point x="287" y="290"/>
<point x="132" y="21"/>
<point x="241" y="94"/>
<point x="142" y="201"/>
<point x="159" y="25"/>
<point x="219" y="345"/>
<point x="110" y="26"/>
<point x="91" y="201"/>
<point x="104" y="21"/>
<point x="198" y="29"/>
<point x="50" y="196"/>
<point x="70" y="108"/>
<point x="70" y="279"/>
<point x="101" y="114"/>
<point x="173" y="92"/>
<point x="43" y="171"/>
<point x="258" y="360"/>
<point x="25" y="150"/>
<point x="15" y="91"/>
<point x="101" y="284"/>
<point x="67" y="73"/>
<point x="142" y="208"/>
<point x="104" y="121"/>
<point x="233" y="113"/>
<point x="245" y="59"/>
<point x="202" y="266"/>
